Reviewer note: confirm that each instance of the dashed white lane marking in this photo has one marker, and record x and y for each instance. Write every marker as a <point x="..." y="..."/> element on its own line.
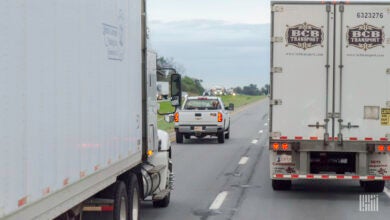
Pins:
<point x="387" y="191"/>
<point x="255" y="141"/>
<point x="265" y="124"/>
<point x="261" y="131"/>
<point x="243" y="160"/>
<point x="218" y="201"/>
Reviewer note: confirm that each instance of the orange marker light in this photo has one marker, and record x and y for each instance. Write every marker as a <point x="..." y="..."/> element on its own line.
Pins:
<point x="388" y="148"/>
<point x="284" y="146"/>
<point x="276" y="146"/>
<point x="381" y="148"/>
<point x="176" y="117"/>
<point x="220" y="117"/>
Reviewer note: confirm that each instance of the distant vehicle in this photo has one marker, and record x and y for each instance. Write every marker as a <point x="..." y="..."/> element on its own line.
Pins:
<point x="218" y="91"/>
<point x="162" y="90"/>
<point x="202" y="116"/>
<point x="79" y="120"/>
<point x="330" y="100"/>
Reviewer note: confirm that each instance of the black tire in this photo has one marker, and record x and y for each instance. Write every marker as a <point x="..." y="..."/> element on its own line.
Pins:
<point x="221" y="138"/>
<point x="374" y="186"/>
<point x="121" y="202"/>
<point x="179" y="137"/>
<point x="133" y="198"/>
<point x="281" y="185"/>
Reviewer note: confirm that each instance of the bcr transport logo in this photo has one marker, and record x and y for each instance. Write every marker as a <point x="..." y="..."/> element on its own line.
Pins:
<point x="365" y="36"/>
<point x="304" y="36"/>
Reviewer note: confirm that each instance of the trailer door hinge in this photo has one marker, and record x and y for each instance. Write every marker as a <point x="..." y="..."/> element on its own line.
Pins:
<point x="388" y="71"/>
<point x="334" y="115"/>
<point x="277" y="8"/>
<point x="328" y="8"/>
<point x="277" y="70"/>
<point x="317" y="125"/>
<point x="341" y="8"/>
<point x="276" y="102"/>
<point x="277" y="40"/>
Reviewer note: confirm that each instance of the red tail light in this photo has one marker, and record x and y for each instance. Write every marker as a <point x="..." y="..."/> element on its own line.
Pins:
<point x="220" y="117"/>
<point x="381" y="148"/>
<point x="276" y="146"/>
<point x="285" y="146"/>
<point x="176" y="117"/>
<point x="388" y="148"/>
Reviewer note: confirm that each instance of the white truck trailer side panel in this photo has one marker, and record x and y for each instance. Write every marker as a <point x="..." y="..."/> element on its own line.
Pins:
<point x="70" y="74"/>
<point x="300" y="56"/>
<point x="365" y="76"/>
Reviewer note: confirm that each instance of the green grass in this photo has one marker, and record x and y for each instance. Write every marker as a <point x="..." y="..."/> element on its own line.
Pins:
<point x="165" y="107"/>
<point x="238" y="101"/>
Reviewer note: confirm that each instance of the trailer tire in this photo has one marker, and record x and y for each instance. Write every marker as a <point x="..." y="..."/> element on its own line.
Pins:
<point x="133" y="198"/>
<point x="281" y="185"/>
<point x="221" y="138"/>
<point x="374" y="186"/>
<point x="179" y="137"/>
<point x="121" y="202"/>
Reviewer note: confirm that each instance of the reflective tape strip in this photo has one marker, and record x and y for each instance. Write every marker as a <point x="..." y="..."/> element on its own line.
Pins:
<point x="105" y="208"/>
<point x="325" y="176"/>
<point x="66" y="181"/>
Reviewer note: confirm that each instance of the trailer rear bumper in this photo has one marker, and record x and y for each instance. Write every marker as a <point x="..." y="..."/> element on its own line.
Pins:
<point x="328" y="177"/>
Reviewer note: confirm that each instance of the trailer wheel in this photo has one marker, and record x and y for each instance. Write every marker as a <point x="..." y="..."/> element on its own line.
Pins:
<point x="179" y="137"/>
<point x="121" y="204"/>
<point x="221" y="138"/>
<point x="374" y="186"/>
<point x="281" y="185"/>
<point x="133" y="197"/>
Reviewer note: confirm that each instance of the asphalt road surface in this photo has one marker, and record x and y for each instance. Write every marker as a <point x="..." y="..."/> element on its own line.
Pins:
<point x="231" y="181"/>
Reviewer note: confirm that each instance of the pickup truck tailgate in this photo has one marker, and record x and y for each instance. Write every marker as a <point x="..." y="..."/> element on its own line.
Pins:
<point x="198" y="117"/>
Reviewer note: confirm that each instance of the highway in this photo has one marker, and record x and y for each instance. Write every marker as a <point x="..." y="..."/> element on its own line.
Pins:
<point x="231" y="181"/>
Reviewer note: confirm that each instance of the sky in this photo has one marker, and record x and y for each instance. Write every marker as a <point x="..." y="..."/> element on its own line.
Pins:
<point x="222" y="42"/>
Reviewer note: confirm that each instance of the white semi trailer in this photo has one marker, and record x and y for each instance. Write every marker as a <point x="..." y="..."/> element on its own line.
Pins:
<point x="330" y="99"/>
<point x="78" y="111"/>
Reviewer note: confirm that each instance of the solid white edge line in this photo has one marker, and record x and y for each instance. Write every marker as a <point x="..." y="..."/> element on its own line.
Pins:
<point x="218" y="201"/>
<point x="387" y="191"/>
<point x="255" y="141"/>
<point x="243" y="160"/>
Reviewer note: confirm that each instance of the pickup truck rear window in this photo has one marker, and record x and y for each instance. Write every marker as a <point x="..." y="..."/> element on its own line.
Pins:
<point x="196" y="104"/>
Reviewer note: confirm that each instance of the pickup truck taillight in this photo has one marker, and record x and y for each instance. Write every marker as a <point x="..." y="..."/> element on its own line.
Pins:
<point x="220" y="117"/>
<point x="176" y="117"/>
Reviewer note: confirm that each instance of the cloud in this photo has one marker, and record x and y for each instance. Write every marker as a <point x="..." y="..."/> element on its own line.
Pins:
<point x="223" y="53"/>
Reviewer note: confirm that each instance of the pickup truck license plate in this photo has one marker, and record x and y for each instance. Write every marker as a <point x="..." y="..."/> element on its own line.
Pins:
<point x="198" y="128"/>
<point x="284" y="158"/>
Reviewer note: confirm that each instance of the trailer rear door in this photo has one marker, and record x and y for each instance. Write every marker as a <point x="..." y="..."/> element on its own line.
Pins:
<point x="363" y="70"/>
<point x="302" y="45"/>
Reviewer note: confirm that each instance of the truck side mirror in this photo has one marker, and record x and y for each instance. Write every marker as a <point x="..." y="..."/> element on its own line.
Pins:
<point x="176" y="90"/>
<point x="231" y="107"/>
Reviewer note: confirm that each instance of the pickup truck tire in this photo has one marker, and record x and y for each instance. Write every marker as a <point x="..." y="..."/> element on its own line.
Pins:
<point x="374" y="186"/>
<point x="121" y="202"/>
<point x="221" y="137"/>
<point x="281" y="185"/>
<point x="179" y="137"/>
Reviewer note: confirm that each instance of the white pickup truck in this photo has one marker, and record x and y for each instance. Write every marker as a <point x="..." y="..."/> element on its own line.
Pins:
<point x="202" y="116"/>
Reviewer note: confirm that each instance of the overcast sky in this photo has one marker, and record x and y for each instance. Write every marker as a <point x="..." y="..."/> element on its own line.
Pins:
<point x="223" y="42"/>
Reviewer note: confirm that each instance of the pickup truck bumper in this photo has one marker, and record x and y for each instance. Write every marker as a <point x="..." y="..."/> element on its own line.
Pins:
<point x="195" y="129"/>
